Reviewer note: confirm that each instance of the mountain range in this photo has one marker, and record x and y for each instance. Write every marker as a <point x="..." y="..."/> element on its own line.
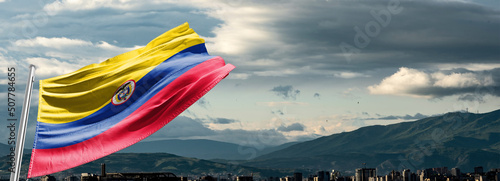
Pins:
<point x="195" y="148"/>
<point x="202" y="149"/>
<point x="457" y="139"/>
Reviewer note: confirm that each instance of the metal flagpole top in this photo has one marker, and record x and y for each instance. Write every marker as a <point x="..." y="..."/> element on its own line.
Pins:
<point x="14" y="176"/>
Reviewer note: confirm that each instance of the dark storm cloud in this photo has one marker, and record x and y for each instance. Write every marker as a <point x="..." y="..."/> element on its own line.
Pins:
<point x="292" y="127"/>
<point x="468" y="85"/>
<point x="472" y="98"/>
<point x="476" y="92"/>
<point x="286" y="92"/>
<point x="203" y="102"/>
<point x="306" y="34"/>
<point x="422" y="34"/>
<point x="223" y="121"/>
<point x="278" y="112"/>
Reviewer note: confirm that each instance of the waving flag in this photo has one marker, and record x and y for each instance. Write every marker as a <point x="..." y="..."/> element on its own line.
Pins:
<point x="103" y="108"/>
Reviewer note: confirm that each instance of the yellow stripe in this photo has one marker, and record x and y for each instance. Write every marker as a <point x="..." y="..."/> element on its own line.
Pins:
<point x="73" y="96"/>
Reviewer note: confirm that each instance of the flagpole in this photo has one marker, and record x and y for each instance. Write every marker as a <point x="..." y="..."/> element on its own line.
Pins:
<point x="14" y="176"/>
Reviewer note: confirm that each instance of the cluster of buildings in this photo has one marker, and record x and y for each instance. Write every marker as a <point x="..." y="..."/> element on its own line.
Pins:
<point x="361" y="174"/>
<point x="141" y="176"/>
<point x="431" y="174"/>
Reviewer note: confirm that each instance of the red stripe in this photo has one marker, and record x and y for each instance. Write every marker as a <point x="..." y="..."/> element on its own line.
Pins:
<point x="149" y="118"/>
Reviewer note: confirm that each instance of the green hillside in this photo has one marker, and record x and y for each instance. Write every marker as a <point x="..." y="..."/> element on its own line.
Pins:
<point x="455" y="139"/>
<point x="156" y="162"/>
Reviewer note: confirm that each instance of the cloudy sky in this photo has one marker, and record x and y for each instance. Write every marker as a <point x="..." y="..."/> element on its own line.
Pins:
<point x="304" y="68"/>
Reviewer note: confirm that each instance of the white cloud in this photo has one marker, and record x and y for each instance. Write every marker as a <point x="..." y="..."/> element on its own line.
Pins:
<point x="412" y="82"/>
<point x="108" y="47"/>
<point x="327" y="125"/>
<point x="5" y="62"/>
<point x="276" y="73"/>
<point x="22" y="16"/>
<point x="264" y="62"/>
<point x="283" y="72"/>
<point x="469" y="66"/>
<point x="56" y="43"/>
<point x="294" y="34"/>
<point x="244" y="29"/>
<point x="460" y="80"/>
<point x="402" y="82"/>
<point x="61" y="55"/>
<point x="61" y="43"/>
<point x="52" y="67"/>
<point x="241" y="76"/>
<point x="273" y="104"/>
<point x="78" y="5"/>
<point x="349" y="75"/>
<point x="351" y="93"/>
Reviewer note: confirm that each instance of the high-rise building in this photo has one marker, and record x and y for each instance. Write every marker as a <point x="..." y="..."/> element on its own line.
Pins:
<point x="334" y="175"/>
<point x="455" y="172"/>
<point x="311" y="178"/>
<point x="424" y="174"/>
<point x="441" y="170"/>
<point x="388" y="178"/>
<point x="244" y="178"/>
<point x="406" y="175"/>
<point x="478" y="170"/>
<point x="413" y="177"/>
<point x="363" y="174"/>
<point x="495" y="170"/>
<point x="324" y="176"/>
<point x="157" y="176"/>
<point x="71" y="178"/>
<point x="479" y="177"/>
<point x="297" y="176"/>
<point x="48" y="178"/>
<point x="395" y="176"/>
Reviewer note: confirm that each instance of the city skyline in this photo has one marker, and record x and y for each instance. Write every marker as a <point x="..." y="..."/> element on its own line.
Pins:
<point x="478" y="173"/>
<point x="304" y="69"/>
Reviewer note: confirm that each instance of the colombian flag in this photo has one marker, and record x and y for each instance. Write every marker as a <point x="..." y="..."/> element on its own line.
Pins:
<point x="103" y="108"/>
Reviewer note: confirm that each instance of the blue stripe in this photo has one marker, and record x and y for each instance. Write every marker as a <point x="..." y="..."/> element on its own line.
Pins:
<point x="61" y="135"/>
